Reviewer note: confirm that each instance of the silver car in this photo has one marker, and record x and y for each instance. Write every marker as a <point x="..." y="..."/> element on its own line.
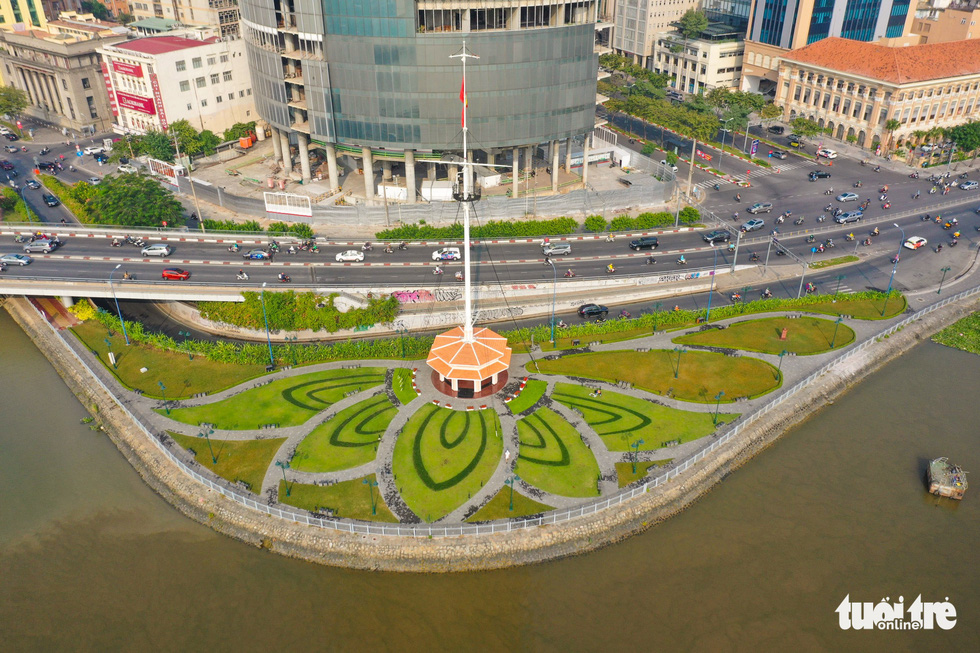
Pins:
<point x="158" y="249"/>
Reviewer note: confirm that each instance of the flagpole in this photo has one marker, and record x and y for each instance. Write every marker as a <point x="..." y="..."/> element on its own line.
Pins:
<point x="467" y="286"/>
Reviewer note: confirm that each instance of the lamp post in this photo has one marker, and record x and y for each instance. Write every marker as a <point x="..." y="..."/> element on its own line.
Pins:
<point x="108" y="346"/>
<point x="724" y="132"/>
<point x="554" y="298"/>
<point x="656" y="315"/>
<point x="371" y="485"/>
<point x="163" y="393"/>
<point x="118" y="311"/>
<point x="635" y="446"/>
<point x="779" y="368"/>
<point x="510" y="481"/>
<point x="679" y="350"/>
<point x="284" y="466"/>
<point x="944" y="271"/>
<point x="291" y="343"/>
<point x="840" y="277"/>
<point x="833" y="341"/>
<point x="707" y="315"/>
<point x="206" y="433"/>
<point x="268" y="338"/>
<point x="894" y="270"/>
<point x="185" y="335"/>
<point x="717" y="406"/>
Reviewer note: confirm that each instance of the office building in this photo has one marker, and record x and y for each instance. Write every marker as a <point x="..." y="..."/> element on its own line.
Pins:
<point x="639" y="22"/>
<point x="222" y="14"/>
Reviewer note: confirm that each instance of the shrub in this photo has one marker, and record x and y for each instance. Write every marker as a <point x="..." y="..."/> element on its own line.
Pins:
<point x="690" y="215"/>
<point x="291" y="311"/>
<point x="83" y="310"/>
<point x="73" y="197"/>
<point x="595" y="224"/>
<point x="491" y="229"/>
<point x="231" y="225"/>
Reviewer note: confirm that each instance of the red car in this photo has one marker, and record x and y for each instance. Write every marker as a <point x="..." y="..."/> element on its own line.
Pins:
<point x="176" y="274"/>
<point x="6" y="165"/>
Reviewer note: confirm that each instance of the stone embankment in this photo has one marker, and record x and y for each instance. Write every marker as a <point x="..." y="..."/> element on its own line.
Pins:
<point x="471" y="552"/>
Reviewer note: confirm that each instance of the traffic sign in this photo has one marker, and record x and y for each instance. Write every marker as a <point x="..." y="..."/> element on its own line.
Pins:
<point x="755" y="145"/>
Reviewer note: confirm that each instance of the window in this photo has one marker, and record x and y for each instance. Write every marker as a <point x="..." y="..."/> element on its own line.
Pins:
<point x="241" y="93"/>
<point x="224" y="58"/>
<point x="204" y="103"/>
<point x="226" y="76"/>
<point x="211" y="61"/>
<point x="196" y="62"/>
<point x="85" y="83"/>
<point x="231" y="96"/>
<point x="248" y="91"/>
<point x="185" y="86"/>
<point x="200" y="82"/>
<point x="219" y="99"/>
<point x="215" y="78"/>
<point x="93" y="112"/>
<point x="64" y="82"/>
<point x="181" y="66"/>
<point x="190" y="107"/>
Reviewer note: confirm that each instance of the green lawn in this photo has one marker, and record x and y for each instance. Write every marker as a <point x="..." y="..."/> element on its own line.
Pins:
<point x="830" y="262"/>
<point x="804" y="335"/>
<point x="620" y="419"/>
<point x="239" y="460"/>
<point x="401" y="383"/>
<point x="624" y="471"/>
<point x="348" y="439"/>
<point x="181" y="376"/>
<point x="701" y="374"/>
<point x="443" y="457"/>
<point x="347" y="499"/>
<point x="862" y="309"/>
<point x="963" y="334"/>
<point x="533" y="390"/>
<point x="287" y="402"/>
<point x="553" y="456"/>
<point x="499" y="507"/>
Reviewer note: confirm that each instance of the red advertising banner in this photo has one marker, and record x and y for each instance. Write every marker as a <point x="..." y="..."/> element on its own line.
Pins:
<point x="158" y="96"/>
<point x="136" y="103"/>
<point x="108" y="86"/>
<point x="133" y="70"/>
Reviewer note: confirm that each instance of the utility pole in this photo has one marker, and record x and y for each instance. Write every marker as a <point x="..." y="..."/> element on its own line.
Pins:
<point x="197" y="205"/>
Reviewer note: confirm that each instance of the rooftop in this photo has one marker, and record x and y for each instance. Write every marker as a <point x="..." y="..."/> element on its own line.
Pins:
<point x="155" y="24"/>
<point x="164" y="44"/>
<point x="899" y="65"/>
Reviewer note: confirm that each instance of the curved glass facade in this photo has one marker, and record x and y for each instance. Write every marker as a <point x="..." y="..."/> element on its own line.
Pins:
<point x="379" y="74"/>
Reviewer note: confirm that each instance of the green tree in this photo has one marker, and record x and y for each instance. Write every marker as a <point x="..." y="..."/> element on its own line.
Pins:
<point x="698" y="104"/>
<point x="719" y="97"/>
<point x="134" y="200"/>
<point x="188" y="140"/>
<point x="239" y="130"/>
<point x="648" y="149"/>
<point x="770" y="112"/>
<point x="12" y="100"/>
<point x="97" y="9"/>
<point x="890" y="126"/>
<point x="154" y="144"/>
<point x="595" y="224"/>
<point x="967" y="137"/>
<point x="805" y="127"/>
<point x="208" y="142"/>
<point x="671" y="158"/>
<point x="692" y="23"/>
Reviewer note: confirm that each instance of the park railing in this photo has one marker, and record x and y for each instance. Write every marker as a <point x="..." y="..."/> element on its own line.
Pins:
<point x="251" y="501"/>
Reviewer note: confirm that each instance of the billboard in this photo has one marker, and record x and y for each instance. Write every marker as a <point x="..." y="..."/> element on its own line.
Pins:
<point x="288" y="204"/>
<point x="158" y="96"/>
<point x="136" y="103"/>
<point x="131" y="69"/>
<point x="108" y="86"/>
<point x="164" y="170"/>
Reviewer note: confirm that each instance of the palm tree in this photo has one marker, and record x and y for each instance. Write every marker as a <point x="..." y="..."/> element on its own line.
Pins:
<point x="918" y="135"/>
<point x="890" y="127"/>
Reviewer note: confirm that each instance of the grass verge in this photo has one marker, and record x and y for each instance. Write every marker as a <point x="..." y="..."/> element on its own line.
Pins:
<point x="625" y="474"/>
<point x="700" y="374"/>
<point x="348" y="499"/>
<point x="963" y="334"/>
<point x="499" y="507"/>
<point x="840" y="260"/>
<point x="553" y="456"/>
<point x="443" y="457"/>
<point x="182" y="376"/>
<point x="238" y="460"/>
<point x="285" y="402"/>
<point x="401" y="383"/>
<point x="621" y="420"/>
<point x="348" y="439"/>
<point x="804" y="336"/>
<point x="533" y="391"/>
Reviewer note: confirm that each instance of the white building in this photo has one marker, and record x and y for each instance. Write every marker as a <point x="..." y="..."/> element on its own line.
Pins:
<point x="155" y="81"/>
<point x="222" y="14"/>
<point x="701" y="64"/>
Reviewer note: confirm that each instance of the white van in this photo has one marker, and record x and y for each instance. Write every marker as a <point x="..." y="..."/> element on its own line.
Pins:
<point x="827" y="153"/>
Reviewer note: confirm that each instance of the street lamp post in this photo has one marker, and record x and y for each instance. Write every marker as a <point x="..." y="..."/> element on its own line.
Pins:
<point x="707" y="315"/>
<point x="635" y="446"/>
<point x="284" y="466"/>
<point x="118" y="311"/>
<point x="944" y="270"/>
<point x="163" y="393"/>
<point x="371" y="485"/>
<point x="840" y="277"/>
<point x="108" y="346"/>
<point x="677" y="370"/>
<point x="206" y="434"/>
<point x="833" y="341"/>
<point x="554" y="298"/>
<point x="268" y="337"/>
<point x="510" y="481"/>
<point x="718" y="397"/>
<point x="779" y="369"/>
<point x="894" y="270"/>
<point x="724" y="133"/>
<point x="185" y="335"/>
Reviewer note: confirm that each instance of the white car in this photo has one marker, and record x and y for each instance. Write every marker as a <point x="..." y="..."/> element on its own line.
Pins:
<point x="127" y="168"/>
<point x="969" y="185"/>
<point x="827" y="153"/>
<point x="847" y="197"/>
<point x="158" y="249"/>
<point x="95" y="149"/>
<point x="668" y="165"/>
<point x="915" y="242"/>
<point x="95" y="181"/>
<point x="351" y="255"/>
<point x="446" y="254"/>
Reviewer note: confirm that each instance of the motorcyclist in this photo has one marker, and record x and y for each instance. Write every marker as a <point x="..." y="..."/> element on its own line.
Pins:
<point x="875" y="231"/>
<point x="766" y="294"/>
<point x="569" y="273"/>
<point x="610" y="268"/>
<point x="242" y="275"/>
<point x="438" y="270"/>
<point x="459" y="276"/>
<point x="682" y="260"/>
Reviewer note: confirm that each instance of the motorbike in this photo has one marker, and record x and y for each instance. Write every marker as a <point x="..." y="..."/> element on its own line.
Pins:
<point x="569" y="274"/>
<point x="849" y="237"/>
<point x="874" y="232"/>
<point x="626" y="314"/>
<point x="389" y="250"/>
<point x="682" y="261"/>
<point x="437" y="271"/>
<point x="926" y="218"/>
<point x="882" y="197"/>
<point x="274" y="247"/>
<point x="651" y="260"/>
<point x="811" y="238"/>
<point x="866" y="241"/>
<point x="829" y="207"/>
<point x="116" y="242"/>
<point x="914" y="175"/>
<point x="366" y="247"/>
<point x="877" y="168"/>
<point x="234" y="248"/>
<point x="947" y="226"/>
<point x="857" y="184"/>
<point x="23" y="148"/>
<point x="964" y="175"/>
<point x="932" y="191"/>
<point x="829" y="191"/>
<point x="736" y="297"/>
<point x="798" y="221"/>
<point x="731" y="247"/>
<point x="610" y="238"/>
<point x="766" y="294"/>
<point x="24" y="239"/>
<point x="71" y="168"/>
<point x="242" y="276"/>
<point x="610" y="268"/>
<point x="292" y="250"/>
<point x="780" y="220"/>
<point x="895" y="259"/>
<point x="128" y="277"/>
<point x="755" y="257"/>
<point x="717" y="187"/>
<point x="829" y="243"/>
<point x="561" y="324"/>
<point x="821" y="218"/>
<point x="953" y="242"/>
<point x="401" y="246"/>
<point x="819" y="249"/>
<point x="886" y="205"/>
<point x="284" y="278"/>
<point x="45" y="150"/>
<point x="458" y="276"/>
<point x="810" y="288"/>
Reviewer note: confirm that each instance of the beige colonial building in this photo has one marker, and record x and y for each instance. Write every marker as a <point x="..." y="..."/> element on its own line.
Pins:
<point x="854" y="88"/>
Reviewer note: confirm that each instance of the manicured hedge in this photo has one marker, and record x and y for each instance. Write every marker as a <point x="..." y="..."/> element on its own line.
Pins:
<point x="492" y="229"/>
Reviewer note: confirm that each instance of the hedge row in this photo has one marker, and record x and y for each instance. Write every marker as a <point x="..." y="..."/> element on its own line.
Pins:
<point x="492" y="229"/>
<point x="290" y="311"/>
<point x="66" y="195"/>
<point x="647" y="221"/>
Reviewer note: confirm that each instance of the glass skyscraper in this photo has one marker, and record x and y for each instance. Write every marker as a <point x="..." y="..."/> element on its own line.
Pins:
<point x="795" y="23"/>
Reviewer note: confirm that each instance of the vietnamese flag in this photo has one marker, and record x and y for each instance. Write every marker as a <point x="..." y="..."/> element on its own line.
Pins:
<point x="462" y="98"/>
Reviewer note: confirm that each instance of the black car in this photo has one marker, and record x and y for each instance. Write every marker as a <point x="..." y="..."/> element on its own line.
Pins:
<point x="646" y="242"/>
<point x="11" y="137"/>
<point x="51" y="200"/>
<point x="717" y="236"/>
<point x="33" y="185"/>
<point x="777" y="129"/>
<point x="592" y="310"/>
<point x="101" y="157"/>
<point x="819" y="174"/>
<point x="46" y="165"/>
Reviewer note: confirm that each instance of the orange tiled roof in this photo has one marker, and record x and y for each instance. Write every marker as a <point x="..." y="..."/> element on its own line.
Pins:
<point x="487" y="355"/>
<point x="899" y="65"/>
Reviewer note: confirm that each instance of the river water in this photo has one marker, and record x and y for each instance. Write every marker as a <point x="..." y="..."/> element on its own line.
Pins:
<point x="91" y="559"/>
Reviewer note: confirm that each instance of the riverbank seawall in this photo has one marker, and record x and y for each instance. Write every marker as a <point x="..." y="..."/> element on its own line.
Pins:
<point x="537" y="543"/>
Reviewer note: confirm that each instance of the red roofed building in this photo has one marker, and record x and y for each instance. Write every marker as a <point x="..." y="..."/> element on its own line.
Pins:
<point x="853" y="88"/>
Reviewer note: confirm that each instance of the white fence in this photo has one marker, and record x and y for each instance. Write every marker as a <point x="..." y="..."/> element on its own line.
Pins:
<point x="554" y="517"/>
